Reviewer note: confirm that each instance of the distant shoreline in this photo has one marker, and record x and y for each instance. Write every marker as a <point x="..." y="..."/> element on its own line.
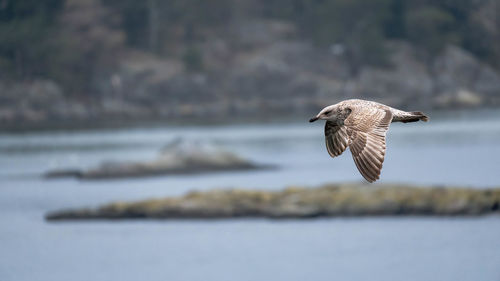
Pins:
<point x="117" y="123"/>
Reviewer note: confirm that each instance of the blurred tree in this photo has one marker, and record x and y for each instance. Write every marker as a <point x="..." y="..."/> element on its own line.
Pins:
<point x="434" y="24"/>
<point x="88" y="42"/>
<point x="193" y="60"/>
<point x="356" y="24"/>
<point x="395" y="24"/>
<point x="431" y="28"/>
<point x="74" y="41"/>
<point x="26" y="29"/>
<point x="152" y="24"/>
<point x="479" y="24"/>
<point x="135" y="21"/>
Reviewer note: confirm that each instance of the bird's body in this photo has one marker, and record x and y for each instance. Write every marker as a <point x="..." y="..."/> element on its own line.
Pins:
<point x="362" y="126"/>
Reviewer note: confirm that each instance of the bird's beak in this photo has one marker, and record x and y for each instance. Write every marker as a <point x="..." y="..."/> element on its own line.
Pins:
<point x="313" y="119"/>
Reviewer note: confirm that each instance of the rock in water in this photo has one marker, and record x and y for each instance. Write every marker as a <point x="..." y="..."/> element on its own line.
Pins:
<point x="178" y="157"/>
<point x="325" y="201"/>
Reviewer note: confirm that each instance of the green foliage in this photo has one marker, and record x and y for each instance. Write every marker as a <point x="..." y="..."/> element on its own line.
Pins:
<point x="134" y="20"/>
<point x="65" y="40"/>
<point x="25" y="29"/>
<point x="363" y="26"/>
<point x="175" y="20"/>
<point x="73" y="45"/>
<point x="431" y="28"/>
<point x="395" y="25"/>
<point x="89" y="41"/>
<point x="356" y="24"/>
<point x="432" y="24"/>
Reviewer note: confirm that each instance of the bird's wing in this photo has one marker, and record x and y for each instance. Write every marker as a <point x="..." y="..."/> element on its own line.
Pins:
<point x="367" y="128"/>
<point x="336" y="138"/>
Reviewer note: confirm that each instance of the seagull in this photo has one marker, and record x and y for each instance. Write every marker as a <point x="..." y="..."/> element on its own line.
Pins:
<point x="362" y="125"/>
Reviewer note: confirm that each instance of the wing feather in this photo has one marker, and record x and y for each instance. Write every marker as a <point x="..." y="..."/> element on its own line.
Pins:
<point x="336" y="138"/>
<point x="367" y="128"/>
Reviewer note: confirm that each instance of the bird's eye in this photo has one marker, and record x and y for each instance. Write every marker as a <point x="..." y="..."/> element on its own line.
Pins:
<point x="327" y="112"/>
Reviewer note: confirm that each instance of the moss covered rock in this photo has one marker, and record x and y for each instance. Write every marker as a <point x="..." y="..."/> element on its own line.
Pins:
<point x="298" y="202"/>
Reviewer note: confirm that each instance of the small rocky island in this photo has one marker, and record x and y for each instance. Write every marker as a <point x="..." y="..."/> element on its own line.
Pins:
<point x="178" y="157"/>
<point x="333" y="200"/>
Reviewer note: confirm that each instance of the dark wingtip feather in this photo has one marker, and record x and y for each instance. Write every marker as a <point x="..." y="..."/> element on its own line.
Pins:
<point x="421" y="115"/>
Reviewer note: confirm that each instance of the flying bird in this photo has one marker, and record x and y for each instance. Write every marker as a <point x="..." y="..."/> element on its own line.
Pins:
<point x="362" y="125"/>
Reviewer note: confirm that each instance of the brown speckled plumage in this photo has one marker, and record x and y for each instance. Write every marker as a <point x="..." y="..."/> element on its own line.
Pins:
<point x="362" y="125"/>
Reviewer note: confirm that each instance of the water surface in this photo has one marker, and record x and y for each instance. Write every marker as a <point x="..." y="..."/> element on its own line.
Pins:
<point x="455" y="149"/>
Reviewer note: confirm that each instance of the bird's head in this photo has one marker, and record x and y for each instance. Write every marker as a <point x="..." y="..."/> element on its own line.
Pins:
<point x="326" y="113"/>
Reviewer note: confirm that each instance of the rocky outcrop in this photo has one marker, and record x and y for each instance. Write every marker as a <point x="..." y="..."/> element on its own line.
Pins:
<point x="461" y="80"/>
<point x="283" y="75"/>
<point x="325" y="201"/>
<point x="179" y="157"/>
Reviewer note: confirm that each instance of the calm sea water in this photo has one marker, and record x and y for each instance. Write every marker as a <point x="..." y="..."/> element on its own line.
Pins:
<point x="455" y="149"/>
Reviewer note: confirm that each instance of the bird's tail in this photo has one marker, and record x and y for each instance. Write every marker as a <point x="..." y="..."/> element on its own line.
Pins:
<point x="415" y="116"/>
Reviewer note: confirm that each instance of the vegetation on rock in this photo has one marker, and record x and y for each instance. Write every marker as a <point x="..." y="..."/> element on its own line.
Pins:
<point x="296" y="202"/>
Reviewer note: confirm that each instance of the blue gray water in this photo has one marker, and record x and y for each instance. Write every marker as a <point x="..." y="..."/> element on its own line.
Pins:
<point x="442" y="152"/>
